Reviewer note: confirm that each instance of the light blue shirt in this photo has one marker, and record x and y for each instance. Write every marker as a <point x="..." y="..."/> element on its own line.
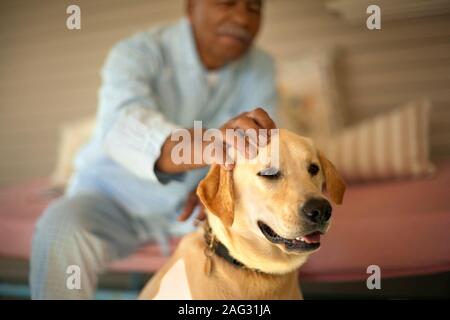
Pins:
<point x="153" y="83"/>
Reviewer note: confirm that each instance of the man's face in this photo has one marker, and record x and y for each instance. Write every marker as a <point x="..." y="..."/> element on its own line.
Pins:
<point x="224" y="29"/>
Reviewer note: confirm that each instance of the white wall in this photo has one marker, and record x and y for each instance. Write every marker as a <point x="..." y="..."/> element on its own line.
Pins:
<point x="50" y="75"/>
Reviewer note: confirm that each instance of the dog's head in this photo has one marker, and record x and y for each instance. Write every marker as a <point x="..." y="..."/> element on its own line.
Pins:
<point x="271" y="217"/>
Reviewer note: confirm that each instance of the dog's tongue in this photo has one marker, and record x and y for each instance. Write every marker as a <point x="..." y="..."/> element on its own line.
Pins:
<point x="312" y="238"/>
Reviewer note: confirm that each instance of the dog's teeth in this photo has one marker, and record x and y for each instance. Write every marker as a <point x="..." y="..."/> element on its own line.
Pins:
<point x="303" y="240"/>
<point x="298" y="238"/>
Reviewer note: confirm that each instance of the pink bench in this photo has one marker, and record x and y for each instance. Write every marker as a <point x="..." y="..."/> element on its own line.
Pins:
<point x="401" y="226"/>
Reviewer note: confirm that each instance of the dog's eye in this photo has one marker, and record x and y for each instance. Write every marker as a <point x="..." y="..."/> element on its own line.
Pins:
<point x="313" y="169"/>
<point x="270" y="173"/>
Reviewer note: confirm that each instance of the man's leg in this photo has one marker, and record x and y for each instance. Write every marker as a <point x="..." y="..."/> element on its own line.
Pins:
<point x="85" y="232"/>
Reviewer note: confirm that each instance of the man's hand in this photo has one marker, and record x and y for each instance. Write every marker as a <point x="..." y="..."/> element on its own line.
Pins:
<point x="256" y="119"/>
<point x="192" y="202"/>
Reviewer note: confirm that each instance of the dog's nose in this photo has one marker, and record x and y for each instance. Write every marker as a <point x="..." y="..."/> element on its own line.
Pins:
<point x="317" y="210"/>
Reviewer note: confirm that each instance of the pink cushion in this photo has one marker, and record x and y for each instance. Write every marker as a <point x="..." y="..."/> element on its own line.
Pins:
<point x="400" y="226"/>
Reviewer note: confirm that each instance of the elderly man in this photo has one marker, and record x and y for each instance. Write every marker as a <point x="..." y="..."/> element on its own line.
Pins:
<point x="127" y="190"/>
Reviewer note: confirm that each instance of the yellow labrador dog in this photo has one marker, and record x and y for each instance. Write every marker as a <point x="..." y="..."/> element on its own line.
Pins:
<point x="262" y="224"/>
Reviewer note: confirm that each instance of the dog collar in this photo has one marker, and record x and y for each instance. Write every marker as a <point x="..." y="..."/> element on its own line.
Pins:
<point x="214" y="246"/>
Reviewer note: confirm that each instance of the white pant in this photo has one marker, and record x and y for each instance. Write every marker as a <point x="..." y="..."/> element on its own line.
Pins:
<point x="89" y="231"/>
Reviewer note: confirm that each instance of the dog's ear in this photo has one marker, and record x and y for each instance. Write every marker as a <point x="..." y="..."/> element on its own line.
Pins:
<point x="215" y="191"/>
<point x="334" y="184"/>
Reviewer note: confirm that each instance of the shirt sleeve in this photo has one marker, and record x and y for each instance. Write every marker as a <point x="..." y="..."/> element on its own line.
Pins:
<point x="130" y="122"/>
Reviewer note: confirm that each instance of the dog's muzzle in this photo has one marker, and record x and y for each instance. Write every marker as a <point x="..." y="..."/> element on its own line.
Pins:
<point x="304" y="243"/>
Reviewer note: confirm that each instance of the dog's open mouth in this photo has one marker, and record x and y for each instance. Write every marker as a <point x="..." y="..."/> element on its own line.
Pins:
<point x="305" y="243"/>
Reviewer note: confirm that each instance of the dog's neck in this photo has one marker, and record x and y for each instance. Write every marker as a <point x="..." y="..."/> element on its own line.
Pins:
<point x="219" y="249"/>
<point x="282" y="286"/>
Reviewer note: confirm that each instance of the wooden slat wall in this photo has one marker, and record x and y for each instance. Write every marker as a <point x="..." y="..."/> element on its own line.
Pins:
<point x="50" y="75"/>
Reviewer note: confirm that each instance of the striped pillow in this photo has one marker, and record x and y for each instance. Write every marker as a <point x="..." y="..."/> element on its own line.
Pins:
<point x="394" y="144"/>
